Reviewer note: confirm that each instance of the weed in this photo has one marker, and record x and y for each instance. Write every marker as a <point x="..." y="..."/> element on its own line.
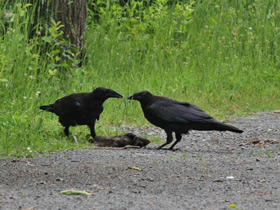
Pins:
<point x="265" y="154"/>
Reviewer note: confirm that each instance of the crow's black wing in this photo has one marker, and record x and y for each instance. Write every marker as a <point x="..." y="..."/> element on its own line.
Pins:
<point x="171" y="111"/>
<point x="80" y="103"/>
<point x="68" y="104"/>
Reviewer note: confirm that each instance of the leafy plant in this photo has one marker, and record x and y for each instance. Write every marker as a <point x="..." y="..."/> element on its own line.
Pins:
<point x="60" y="54"/>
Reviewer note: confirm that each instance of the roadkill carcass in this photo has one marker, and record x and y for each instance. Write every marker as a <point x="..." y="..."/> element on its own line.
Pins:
<point x="127" y="140"/>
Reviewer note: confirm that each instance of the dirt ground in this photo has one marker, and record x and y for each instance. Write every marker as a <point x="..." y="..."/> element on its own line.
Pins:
<point x="211" y="170"/>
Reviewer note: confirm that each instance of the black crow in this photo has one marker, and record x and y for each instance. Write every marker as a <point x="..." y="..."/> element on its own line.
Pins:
<point x="81" y="108"/>
<point x="178" y="117"/>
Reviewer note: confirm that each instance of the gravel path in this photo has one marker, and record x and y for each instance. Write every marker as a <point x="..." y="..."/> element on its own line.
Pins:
<point x="210" y="171"/>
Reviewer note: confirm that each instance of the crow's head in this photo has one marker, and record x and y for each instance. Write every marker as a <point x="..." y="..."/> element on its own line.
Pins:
<point x="141" y="96"/>
<point x="105" y="93"/>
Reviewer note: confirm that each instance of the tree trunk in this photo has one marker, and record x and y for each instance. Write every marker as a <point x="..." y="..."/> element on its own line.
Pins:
<point x="72" y="15"/>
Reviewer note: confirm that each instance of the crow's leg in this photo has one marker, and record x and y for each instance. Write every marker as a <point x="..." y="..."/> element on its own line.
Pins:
<point x="178" y="138"/>
<point x="169" y="139"/>
<point x="66" y="126"/>
<point x="92" y="131"/>
<point x="66" y="130"/>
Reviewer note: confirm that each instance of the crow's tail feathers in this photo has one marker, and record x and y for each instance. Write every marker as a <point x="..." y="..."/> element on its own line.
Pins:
<point x="226" y="127"/>
<point x="48" y="108"/>
<point x="233" y="129"/>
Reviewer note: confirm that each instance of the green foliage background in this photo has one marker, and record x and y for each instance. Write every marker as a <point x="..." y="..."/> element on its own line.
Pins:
<point x="220" y="55"/>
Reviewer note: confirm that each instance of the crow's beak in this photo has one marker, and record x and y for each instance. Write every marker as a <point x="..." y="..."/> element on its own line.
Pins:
<point x="115" y="94"/>
<point x="131" y="97"/>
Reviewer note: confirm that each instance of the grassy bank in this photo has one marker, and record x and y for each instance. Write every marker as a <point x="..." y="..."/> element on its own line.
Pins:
<point x="221" y="56"/>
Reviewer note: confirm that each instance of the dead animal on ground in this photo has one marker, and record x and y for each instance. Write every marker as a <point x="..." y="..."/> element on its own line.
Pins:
<point x="120" y="141"/>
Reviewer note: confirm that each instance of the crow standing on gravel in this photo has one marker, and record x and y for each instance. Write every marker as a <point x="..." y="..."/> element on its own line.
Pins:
<point x="177" y="117"/>
<point x="81" y="108"/>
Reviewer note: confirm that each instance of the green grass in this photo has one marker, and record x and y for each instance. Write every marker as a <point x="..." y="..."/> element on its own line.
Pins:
<point x="220" y="55"/>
